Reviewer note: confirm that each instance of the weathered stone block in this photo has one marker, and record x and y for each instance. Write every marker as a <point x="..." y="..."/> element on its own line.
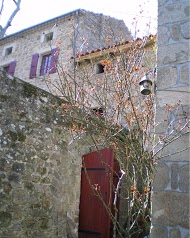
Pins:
<point x="167" y="77"/>
<point x="185" y="29"/>
<point x="178" y="150"/>
<point x="161" y="121"/>
<point x="20" y="196"/>
<point x="3" y="163"/>
<point x="159" y="232"/>
<point x="161" y="179"/>
<point x="18" y="167"/>
<point x="14" y="177"/>
<point x="7" y="187"/>
<point x="184" y="178"/>
<point x="171" y="209"/>
<point x="184" y="74"/>
<point x="36" y="179"/>
<point x="29" y="185"/>
<point x="46" y="180"/>
<point x="173" y="54"/>
<point x="46" y="201"/>
<point x="5" y="219"/>
<point x="176" y="32"/>
<point x="164" y="35"/>
<point x="174" y="233"/>
<point x="172" y="97"/>
<point x="172" y="12"/>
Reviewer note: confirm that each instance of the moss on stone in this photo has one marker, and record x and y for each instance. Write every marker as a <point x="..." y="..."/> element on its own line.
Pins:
<point x="48" y="114"/>
<point x="45" y="180"/>
<point x="35" y="206"/>
<point x="44" y="223"/>
<point x="5" y="219"/>
<point x="29" y="91"/>
<point x="36" y="179"/>
<point x="28" y="185"/>
<point x="46" y="202"/>
<point x="14" y="82"/>
<point x="58" y="130"/>
<point x="43" y="155"/>
<point x="13" y="135"/>
<point x="21" y="136"/>
<point x="13" y="177"/>
<point x="4" y="98"/>
<point x="22" y="114"/>
<point x="42" y="170"/>
<point x="18" y="167"/>
<point x="7" y="187"/>
<point x="30" y="222"/>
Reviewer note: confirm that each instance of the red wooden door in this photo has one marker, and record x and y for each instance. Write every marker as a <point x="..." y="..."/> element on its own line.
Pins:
<point x="97" y="173"/>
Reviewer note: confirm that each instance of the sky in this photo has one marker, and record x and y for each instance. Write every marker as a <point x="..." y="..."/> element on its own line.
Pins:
<point x="138" y="15"/>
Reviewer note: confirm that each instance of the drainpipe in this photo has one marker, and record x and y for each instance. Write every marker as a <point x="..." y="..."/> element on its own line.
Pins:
<point x="74" y="48"/>
<point x="75" y="33"/>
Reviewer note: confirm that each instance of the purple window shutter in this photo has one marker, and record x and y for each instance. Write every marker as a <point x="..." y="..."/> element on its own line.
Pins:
<point x="54" y="59"/>
<point x="34" y="64"/>
<point x="12" y="67"/>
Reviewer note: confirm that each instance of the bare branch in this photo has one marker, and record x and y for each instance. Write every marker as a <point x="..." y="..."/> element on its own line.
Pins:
<point x="2" y="5"/>
<point x="8" y="24"/>
<point x="125" y="124"/>
<point x="174" y="153"/>
<point x="167" y="140"/>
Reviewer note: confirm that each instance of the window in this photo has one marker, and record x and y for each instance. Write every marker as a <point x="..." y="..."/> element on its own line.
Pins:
<point x="46" y="63"/>
<point x="6" y="68"/>
<point x="8" y="51"/>
<point x="49" y="37"/>
<point x="10" y="68"/>
<point x="99" y="68"/>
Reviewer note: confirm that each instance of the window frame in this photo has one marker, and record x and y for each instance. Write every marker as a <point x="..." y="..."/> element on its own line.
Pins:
<point x="45" y="63"/>
<point x="48" y="37"/>
<point x="45" y="35"/>
<point x="8" y="51"/>
<point x="6" y="68"/>
<point x="99" y="68"/>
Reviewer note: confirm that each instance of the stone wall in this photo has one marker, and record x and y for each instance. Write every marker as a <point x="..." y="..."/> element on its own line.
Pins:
<point x="171" y="186"/>
<point x="36" y="168"/>
<point x="95" y="29"/>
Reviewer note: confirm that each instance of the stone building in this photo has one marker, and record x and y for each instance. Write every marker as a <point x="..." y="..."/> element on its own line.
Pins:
<point x="30" y="53"/>
<point x="171" y="186"/>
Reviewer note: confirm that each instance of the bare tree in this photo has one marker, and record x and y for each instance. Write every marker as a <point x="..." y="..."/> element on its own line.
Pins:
<point x="103" y="108"/>
<point x="109" y="109"/>
<point x="10" y="19"/>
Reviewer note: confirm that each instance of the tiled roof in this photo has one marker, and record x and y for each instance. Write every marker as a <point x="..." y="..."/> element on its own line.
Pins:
<point x="124" y="45"/>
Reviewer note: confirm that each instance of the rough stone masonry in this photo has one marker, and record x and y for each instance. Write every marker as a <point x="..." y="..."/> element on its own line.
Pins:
<point x="36" y="168"/>
<point x="171" y="186"/>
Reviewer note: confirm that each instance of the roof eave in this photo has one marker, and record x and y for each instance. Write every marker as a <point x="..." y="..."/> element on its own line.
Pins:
<point x="112" y="49"/>
<point x="40" y="24"/>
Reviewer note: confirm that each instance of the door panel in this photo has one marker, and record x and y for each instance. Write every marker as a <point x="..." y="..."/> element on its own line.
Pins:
<point x="96" y="175"/>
